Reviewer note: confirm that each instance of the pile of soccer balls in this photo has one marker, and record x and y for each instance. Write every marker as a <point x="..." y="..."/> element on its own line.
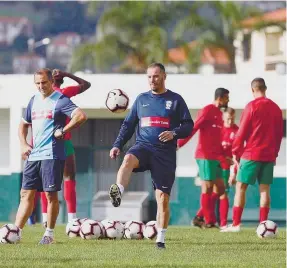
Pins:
<point x="110" y="229"/>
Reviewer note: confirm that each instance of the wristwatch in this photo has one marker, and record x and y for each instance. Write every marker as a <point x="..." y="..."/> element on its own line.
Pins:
<point x="174" y="134"/>
<point x="62" y="131"/>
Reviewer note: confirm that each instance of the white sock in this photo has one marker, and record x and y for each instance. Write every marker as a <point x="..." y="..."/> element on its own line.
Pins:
<point x="122" y="188"/>
<point x="49" y="232"/>
<point x="71" y="216"/>
<point x="44" y="217"/>
<point x="160" y="235"/>
<point x="20" y="231"/>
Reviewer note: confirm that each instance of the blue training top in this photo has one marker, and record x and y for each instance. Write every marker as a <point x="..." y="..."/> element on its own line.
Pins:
<point x="47" y="115"/>
<point x="151" y="114"/>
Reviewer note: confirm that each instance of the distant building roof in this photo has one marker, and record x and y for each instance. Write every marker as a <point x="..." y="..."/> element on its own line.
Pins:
<point x="6" y="19"/>
<point x="63" y="38"/>
<point x="210" y="55"/>
<point x="278" y="15"/>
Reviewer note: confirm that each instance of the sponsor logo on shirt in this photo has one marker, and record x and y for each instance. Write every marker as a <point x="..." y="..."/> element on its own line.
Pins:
<point x="168" y="104"/>
<point x="155" y="121"/>
<point x="45" y="114"/>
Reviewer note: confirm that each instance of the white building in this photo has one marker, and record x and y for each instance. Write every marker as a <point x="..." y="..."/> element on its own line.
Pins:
<point x="263" y="50"/>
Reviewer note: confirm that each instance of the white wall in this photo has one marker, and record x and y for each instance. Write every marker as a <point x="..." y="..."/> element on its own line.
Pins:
<point x="4" y="139"/>
<point x="197" y="90"/>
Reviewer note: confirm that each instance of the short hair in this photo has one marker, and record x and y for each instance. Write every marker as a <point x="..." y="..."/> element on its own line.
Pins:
<point x="157" y="64"/>
<point x="258" y="83"/>
<point x="45" y="71"/>
<point x="229" y="110"/>
<point x="220" y="93"/>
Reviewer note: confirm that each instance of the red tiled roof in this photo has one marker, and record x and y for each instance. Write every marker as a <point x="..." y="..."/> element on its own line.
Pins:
<point x="6" y="19"/>
<point x="278" y="15"/>
<point x="210" y="55"/>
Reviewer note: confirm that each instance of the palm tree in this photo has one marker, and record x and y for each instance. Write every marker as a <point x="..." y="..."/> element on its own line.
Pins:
<point x="130" y="35"/>
<point x="219" y="30"/>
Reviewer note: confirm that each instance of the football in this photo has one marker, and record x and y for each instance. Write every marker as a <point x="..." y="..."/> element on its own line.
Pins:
<point x="267" y="229"/>
<point x="9" y="234"/>
<point x="113" y="229"/>
<point x="73" y="228"/>
<point x="150" y="231"/>
<point x="134" y="230"/>
<point x="117" y="101"/>
<point x="91" y="229"/>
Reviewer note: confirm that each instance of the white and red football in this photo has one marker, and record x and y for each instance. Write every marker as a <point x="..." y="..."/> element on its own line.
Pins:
<point x="134" y="230"/>
<point x="117" y="101"/>
<point x="150" y="231"/>
<point x="91" y="229"/>
<point x="113" y="229"/>
<point x="9" y="234"/>
<point x="267" y="229"/>
<point x="73" y="228"/>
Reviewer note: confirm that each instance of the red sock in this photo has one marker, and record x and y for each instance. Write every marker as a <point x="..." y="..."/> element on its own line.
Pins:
<point x="237" y="213"/>
<point x="37" y="195"/>
<point x="200" y="213"/>
<point x="214" y="198"/>
<point x="70" y="195"/>
<point x="205" y="204"/>
<point x="44" y="202"/>
<point x="223" y="211"/>
<point x="263" y="216"/>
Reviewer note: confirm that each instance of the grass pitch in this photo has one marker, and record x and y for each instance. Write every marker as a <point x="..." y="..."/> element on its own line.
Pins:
<point x="186" y="247"/>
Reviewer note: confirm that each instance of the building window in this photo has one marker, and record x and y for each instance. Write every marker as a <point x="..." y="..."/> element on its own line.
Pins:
<point x="273" y="44"/>
<point x="246" y="43"/>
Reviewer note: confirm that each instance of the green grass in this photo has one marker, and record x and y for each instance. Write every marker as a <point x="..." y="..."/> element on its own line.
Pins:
<point x="186" y="247"/>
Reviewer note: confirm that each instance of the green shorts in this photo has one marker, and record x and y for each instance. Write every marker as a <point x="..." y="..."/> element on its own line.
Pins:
<point x="69" y="148"/>
<point x="250" y="170"/>
<point x="225" y="177"/>
<point x="209" y="170"/>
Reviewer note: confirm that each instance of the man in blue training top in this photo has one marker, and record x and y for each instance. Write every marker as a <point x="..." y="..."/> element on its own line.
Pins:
<point x="160" y="117"/>
<point x="43" y="170"/>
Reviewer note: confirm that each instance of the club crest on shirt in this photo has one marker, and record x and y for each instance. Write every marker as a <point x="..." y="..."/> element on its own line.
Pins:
<point x="168" y="104"/>
<point x="232" y="135"/>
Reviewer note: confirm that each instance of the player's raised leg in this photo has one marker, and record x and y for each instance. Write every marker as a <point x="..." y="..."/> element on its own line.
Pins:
<point x="129" y="163"/>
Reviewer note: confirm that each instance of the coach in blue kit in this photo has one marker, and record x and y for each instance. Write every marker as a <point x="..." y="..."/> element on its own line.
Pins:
<point x="160" y="117"/>
<point x="43" y="171"/>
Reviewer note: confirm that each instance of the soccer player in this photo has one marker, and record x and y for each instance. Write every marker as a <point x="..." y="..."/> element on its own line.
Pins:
<point x="43" y="170"/>
<point x="228" y="134"/>
<point x="70" y="163"/>
<point x="261" y="129"/>
<point x="209" y="152"/>
<point x="160" y="117"/>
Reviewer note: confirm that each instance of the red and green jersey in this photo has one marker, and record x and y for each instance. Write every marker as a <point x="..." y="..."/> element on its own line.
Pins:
<point x="261" y="129"/>
<point x="69" y="92"/>
<point x="209" y="123"/>
<point x="228" y="136"/>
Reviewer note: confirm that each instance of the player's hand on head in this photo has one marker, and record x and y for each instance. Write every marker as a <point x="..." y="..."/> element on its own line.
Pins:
<point x="114" y="152"/>
<point x="58" y="74"/>
<point x="166" y="136"/>
<point x="25" y="151"/>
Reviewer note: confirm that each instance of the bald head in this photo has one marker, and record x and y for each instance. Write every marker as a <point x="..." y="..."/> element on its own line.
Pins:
<point x="258" y="84"/>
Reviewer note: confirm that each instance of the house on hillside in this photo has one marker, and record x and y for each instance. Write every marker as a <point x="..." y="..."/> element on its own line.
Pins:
<point x="262" y="51"/>
<point x="11" y="27"/>
<point x="27" y="63"/>
<point x="61" y="47"/>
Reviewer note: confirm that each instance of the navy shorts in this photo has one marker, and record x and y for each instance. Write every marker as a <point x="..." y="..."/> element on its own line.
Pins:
<point x="160" y="161"/>
<point x="44" y="175"/>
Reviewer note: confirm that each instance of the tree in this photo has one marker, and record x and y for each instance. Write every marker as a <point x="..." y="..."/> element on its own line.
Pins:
<point x="219" y="31"/>
<point x="130" y="35"/>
